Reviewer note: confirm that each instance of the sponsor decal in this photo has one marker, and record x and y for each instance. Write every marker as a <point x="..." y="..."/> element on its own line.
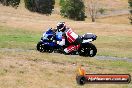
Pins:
<point x="83" y="78"/>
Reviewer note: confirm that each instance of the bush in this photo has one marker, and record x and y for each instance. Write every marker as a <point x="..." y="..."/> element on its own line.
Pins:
<point x="101" y="10"/>
<point x="30" y="5"/>
<point x="13" y="3"/>
<point x="40" y="6"/>
<point x="73" y="9"/>
<point x="62" y="2"/>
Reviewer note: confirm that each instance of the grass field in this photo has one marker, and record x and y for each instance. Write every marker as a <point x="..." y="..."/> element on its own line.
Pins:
<point x="30" y="69"/>
<point x="17" y="38"/>
<point x="110" y="42"/>
<point x="122" y="19"/>
<point x="22" y="66"/>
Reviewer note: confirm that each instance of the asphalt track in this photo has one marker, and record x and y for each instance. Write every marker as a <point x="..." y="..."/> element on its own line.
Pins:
<point x="96" y="57"/>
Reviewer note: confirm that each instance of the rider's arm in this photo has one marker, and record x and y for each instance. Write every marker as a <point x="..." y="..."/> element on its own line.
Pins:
<point x="62" y="42"/>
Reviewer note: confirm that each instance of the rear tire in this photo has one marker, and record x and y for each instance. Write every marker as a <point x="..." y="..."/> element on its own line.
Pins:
<point x="92" y="50"/>
<point x="87" y="49"/>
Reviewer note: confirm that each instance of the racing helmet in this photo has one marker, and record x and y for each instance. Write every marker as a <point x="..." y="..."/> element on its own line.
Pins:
<point x="61" y="26"/>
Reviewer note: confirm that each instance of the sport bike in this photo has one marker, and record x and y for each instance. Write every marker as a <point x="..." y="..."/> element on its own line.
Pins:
<point x="48" y="43"/>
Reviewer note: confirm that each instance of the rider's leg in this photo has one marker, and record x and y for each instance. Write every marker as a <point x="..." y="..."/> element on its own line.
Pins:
<point x="71" y="48"/>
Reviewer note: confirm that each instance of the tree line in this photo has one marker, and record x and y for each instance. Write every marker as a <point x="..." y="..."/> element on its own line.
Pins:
<point x="13" y="3"/>
<point x="72" y="9"/>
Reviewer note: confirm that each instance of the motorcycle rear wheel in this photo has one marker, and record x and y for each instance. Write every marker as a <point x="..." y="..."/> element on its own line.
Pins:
<point x="87" y="49"/>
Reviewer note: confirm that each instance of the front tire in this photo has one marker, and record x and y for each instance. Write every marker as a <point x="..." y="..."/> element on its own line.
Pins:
<point x="40" y="47"/>
<point x="87" y="49"/>
<point x="44" y="48"/>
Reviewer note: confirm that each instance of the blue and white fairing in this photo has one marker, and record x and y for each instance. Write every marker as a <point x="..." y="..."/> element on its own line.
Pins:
<point x="58" y="36"/>
<point x="50" y="34"/>
<point x="50" y="37"/>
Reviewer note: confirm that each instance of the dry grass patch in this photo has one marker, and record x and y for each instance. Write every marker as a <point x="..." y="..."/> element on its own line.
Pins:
<point x="121" y="19"/>
<point x="21" y="66"/>
<point x="32" y="69"/>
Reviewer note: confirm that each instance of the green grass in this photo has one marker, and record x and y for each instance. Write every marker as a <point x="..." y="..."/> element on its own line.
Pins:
<point x="22" y="66"/>
<point x="18" y="38"/>
<point x="28" y="68"/>
<point x="116" y="45"/>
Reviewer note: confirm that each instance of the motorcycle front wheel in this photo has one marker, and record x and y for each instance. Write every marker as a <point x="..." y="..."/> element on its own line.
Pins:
<point x="40" y="47"/>
<point x="44" y="48"/>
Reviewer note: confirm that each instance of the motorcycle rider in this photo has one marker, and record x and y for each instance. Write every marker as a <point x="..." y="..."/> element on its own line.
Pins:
<point x="70" y="39"/>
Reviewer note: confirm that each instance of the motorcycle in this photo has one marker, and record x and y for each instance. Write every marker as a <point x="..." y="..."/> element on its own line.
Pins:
<point x="48" y="43"/>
